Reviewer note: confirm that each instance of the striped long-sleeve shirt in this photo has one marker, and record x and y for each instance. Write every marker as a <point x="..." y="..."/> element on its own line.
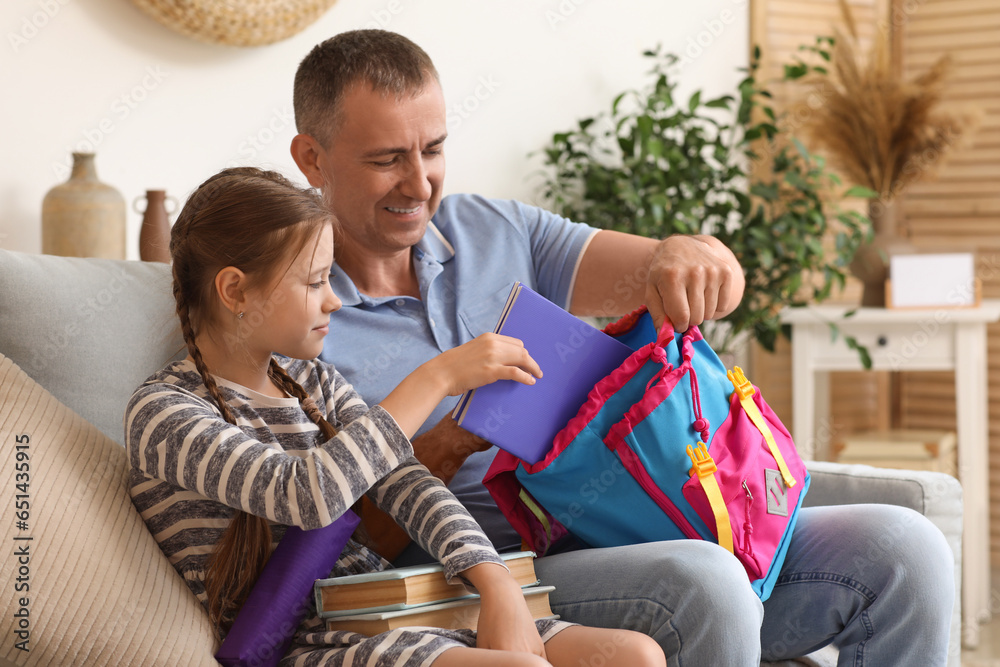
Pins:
<point x="190" y="469"/>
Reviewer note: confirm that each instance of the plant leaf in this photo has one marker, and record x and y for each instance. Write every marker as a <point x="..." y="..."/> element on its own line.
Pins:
<point x="861" y="192"/>
<point x="695" y="101"/>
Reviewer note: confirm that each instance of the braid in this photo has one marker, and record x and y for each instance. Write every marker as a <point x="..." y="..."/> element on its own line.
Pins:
<point x="232" y="568"/>
<point x="280" y="376"/>
<point x="187" y="330"/>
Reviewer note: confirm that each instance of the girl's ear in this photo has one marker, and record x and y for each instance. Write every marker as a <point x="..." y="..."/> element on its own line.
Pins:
<point x="230" y="285"/>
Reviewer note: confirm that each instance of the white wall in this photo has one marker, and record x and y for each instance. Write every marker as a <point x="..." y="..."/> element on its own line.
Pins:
<point x="165" y="111"/>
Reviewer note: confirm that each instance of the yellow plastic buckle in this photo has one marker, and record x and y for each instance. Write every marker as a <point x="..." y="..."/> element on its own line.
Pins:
<point x="705" y="467"/>
<point x="702" y="462"/>
<point x="741" y="385"/>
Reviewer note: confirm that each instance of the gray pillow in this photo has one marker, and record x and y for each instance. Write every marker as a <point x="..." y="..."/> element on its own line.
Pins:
<point x="88" y="330"/>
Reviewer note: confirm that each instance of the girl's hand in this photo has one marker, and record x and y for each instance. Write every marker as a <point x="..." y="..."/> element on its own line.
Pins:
<point x="485" y="359"/>
<point x="504" y="620"/>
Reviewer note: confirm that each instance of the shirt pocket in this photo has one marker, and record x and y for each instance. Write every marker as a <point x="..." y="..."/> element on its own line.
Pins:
<point x="482" y="316"/>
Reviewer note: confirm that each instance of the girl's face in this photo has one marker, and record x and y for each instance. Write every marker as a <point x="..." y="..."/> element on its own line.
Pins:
<point x="292" y="316"/>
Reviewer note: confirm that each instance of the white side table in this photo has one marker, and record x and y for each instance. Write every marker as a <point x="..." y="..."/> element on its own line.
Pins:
<point x="924" y="339"/>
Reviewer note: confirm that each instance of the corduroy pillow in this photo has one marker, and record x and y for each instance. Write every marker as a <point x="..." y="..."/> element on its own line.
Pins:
<point x="83" y="580"/>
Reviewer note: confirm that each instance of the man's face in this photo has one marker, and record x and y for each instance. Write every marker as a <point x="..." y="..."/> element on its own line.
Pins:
<point x="383" y="168"/>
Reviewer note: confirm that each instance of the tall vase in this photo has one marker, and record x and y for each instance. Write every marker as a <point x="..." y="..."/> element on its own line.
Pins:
<point x="154" y="235"/>
<point x="83" y="217"/>
<point x="871" y="263"/>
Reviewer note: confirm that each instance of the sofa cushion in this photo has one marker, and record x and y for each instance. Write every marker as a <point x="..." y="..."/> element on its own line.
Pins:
<point x="72" y="323"/>
<point x="91" y="580"/>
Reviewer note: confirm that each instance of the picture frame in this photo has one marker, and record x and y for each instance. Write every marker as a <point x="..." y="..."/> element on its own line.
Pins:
<point x="933" y="280"/>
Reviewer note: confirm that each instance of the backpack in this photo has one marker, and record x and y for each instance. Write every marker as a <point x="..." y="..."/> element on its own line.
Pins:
<point x="669" y="446"/>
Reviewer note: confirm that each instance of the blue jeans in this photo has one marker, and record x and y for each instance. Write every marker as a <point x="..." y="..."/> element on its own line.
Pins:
<point x="875" y="580"/>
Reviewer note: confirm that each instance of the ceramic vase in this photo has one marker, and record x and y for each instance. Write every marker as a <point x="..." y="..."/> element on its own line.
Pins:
<point x="83" y="217"/>
<point x="871" y="263"/>
<point x="154" y="235"/>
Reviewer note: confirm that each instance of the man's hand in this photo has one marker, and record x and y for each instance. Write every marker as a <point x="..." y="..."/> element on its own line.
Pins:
<point x="686" y="278"/>
<point x="443" y="449"/>
<point x="692" y="279"/>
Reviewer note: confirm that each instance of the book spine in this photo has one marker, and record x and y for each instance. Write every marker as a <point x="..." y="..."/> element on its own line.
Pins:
<point x="458" y="414"/>
<point x="520" y="563"/>
<point x="399" y="606"/>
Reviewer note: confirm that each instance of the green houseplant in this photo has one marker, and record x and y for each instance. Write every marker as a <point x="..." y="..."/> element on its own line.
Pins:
<point x="655" y="167"/>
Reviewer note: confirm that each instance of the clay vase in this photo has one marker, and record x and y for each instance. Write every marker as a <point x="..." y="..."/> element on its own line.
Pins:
<point x="154" y="235"/>
<point x="871" y="262"/>
<point x="83" y="217"/>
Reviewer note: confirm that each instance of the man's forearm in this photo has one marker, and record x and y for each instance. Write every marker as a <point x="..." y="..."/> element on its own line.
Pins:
<point x="686" y="278"/>
<point x="445" y="447"/>
<point x="612" y="277"/>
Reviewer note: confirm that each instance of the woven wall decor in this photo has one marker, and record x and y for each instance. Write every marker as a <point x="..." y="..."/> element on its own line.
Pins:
<point x="236" y="22"/>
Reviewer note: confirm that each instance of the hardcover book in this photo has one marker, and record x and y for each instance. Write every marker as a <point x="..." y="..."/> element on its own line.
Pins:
<point x="405" y="587"/>
<point x="574" y="356"/>
<point x="462" y="613"/>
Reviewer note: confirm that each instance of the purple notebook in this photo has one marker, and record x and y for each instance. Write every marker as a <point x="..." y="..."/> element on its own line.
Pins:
<point x="573" y="356"/>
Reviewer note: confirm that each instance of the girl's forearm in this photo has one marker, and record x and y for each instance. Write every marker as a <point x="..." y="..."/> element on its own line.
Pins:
<point x="413" y="401"/>
<point x="488" y="577"/>
<point x="485" y="359"/>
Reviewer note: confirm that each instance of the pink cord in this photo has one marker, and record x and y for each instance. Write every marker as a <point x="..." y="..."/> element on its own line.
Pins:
<point x="700" y="423"/>
<point x="747" y="525"/>
<point x="659" y="356"/>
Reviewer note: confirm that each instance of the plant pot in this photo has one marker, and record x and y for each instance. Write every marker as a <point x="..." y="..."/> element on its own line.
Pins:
<point x="871" y="263"/>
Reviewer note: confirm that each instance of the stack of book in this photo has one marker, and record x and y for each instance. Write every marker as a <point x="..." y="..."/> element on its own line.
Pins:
<point x="417" y="596"/>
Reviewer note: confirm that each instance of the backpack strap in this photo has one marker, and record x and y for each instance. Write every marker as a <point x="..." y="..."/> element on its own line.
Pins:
<point x="745" y="390"/>
<point x="539" y="513"/>
<point x="704" y="466"/>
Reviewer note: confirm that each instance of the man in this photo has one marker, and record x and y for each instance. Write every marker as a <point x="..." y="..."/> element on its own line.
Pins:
<point x="419" y="273"/>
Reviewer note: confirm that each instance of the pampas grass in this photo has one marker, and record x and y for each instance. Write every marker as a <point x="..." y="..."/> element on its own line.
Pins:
<point x="879" y="131"/>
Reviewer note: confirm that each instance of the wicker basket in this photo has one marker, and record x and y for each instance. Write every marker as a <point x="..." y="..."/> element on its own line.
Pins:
<point x="236" y="22"/>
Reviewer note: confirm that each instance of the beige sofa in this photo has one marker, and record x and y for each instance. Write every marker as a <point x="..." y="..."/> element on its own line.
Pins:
<point x="76" y="337"/>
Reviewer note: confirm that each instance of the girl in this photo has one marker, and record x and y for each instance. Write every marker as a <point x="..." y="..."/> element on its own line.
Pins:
<point x="232" y="444"/>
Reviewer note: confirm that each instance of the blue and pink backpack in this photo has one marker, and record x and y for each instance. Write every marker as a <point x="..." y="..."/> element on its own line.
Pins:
<point x="669" y="446"/>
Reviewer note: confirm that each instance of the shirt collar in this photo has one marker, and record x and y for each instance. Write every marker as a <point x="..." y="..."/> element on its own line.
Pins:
<point x="433" y="244"/>
<point x="344" y="287"/>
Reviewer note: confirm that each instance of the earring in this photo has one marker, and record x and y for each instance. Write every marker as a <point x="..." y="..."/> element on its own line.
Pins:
<point x="239" y="315"/>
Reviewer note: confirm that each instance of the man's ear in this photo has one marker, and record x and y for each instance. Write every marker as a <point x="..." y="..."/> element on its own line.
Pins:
<point x="306" y="152"/>
<point x="230" y="285"/>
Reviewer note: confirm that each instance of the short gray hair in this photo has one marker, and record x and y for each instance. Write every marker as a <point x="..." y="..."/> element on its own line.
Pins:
<point x="387" y="61"/>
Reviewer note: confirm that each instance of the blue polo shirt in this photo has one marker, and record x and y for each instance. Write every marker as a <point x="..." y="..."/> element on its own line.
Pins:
<point x="473" y="251"/>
